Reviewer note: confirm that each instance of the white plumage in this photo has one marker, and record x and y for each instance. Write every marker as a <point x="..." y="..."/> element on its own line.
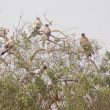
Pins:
<point x="3" y="31"/>
<point x="7" y="46"/>
<point x="37" y="24"/>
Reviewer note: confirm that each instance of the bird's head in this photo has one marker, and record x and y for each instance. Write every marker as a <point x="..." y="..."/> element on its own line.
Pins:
<point x="38" y="18"/>
<point x="83" y="34"/>
<point x="46" y="25"/>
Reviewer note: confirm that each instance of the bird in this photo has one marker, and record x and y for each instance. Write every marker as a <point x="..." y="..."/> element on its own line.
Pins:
<point x="3" y="31"/>
<point x="7" y="46"/>
<point x="37" y="24"/>
<point x="86" y="45"/>
<point x="47" y="31"/>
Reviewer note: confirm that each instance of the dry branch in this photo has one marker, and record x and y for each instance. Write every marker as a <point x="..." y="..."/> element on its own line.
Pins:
<point x="29" y="76"/>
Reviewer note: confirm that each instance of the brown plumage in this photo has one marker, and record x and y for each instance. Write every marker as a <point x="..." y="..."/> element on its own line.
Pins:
<point x="86" y="45"/>
<point x="8" y="45"/>
<point x="37" y="24"/>
<point x="3" y="31"/>
<point x="47" y="31"/>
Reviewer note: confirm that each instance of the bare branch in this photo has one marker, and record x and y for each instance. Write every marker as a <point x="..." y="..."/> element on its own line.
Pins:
<point x="94" y="64"/>
<point x="41" y="49"/>
<point x="38" y="50"/>
<point x="3" y="60"/>
<point x="59" y="32"/>
<point x="50" y="22"/>
<point x="23" y="25"/>
<point x="32" y="74"/>
<point x="19" y="22"/>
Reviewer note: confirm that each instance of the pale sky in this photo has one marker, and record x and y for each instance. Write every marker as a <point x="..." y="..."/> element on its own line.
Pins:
<point x="90" y="16"/>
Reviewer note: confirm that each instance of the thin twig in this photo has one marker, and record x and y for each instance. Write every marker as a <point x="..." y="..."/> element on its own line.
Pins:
<point x="19" y="22"/>
<point x="50" y="22"/>
<point x="94" y="64"/>
<point x="59" y="32"/>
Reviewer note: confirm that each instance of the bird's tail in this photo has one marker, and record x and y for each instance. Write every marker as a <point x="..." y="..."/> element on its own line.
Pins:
<point x="6" y="50"/>
<point x="90" y="53"/>
<point x="3" y="52"/>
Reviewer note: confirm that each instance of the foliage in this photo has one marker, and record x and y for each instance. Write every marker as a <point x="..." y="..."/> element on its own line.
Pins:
<point x="55" y="74"/>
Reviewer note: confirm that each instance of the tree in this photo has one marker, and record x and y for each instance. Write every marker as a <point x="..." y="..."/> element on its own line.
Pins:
<point x="55" y="74"/>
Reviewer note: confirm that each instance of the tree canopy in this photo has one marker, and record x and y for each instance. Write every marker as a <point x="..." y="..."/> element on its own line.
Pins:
<point x="54" y="73"/>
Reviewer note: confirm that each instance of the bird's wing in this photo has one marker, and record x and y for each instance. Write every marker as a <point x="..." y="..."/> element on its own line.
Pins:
<point x="86" y="38"/>
<point x="85" y="43"/>
<point x="9" y="44"/>
<point x="6" y="45"/>
<point x="82" y="42"/>
<point x="46" y="30"/>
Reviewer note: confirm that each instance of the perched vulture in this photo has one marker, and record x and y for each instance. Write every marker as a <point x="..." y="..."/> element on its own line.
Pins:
<point x="37" y="24"/>
<point x="47" y="31"/>
<point x="3" y="31"/>
<point x="86" y="45"/>
<point x="7" y="46"/>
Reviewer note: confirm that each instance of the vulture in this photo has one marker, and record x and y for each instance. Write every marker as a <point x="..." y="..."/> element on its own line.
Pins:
<point x="47" y="31"/>
<point x="37" y="24"/>
<point x="7" y="46"/>
<point x="3" y="31"/>
<point x="86" y="45"/>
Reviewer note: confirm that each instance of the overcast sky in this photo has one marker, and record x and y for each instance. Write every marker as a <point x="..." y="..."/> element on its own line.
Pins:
<point x="90" y="16"/>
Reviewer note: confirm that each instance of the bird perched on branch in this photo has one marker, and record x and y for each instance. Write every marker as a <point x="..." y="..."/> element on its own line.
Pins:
<point x="37" y="24"/>
<point x="7" y="46"/>
<point x="3" y="31"/>
<point x="86" y="45"/>
<point x="47" y="31"/>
